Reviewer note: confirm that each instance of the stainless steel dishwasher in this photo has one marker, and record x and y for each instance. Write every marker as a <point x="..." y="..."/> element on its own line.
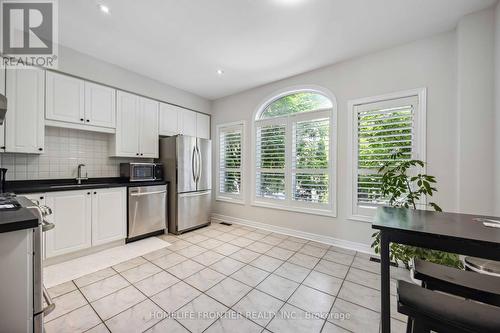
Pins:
<point x="147" y="211"/>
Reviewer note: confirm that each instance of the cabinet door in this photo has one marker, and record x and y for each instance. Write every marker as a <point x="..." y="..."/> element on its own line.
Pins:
<point x="127" y="125"/>
<point x="2" y="91"/>
<point x="202" y="126"/>
<point x="24" y="122"/>
<point x="149" y="138"/>
<point x="188" y="122"/>
<point x="71" y="214"/>
<point x="65" y="98"/>
<point x="100" y="108"/>
<point x="109" y="217"/>
<point x="169" y="119"/>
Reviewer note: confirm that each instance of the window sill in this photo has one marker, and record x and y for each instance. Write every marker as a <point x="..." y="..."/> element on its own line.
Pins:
<point x="311" y="211"/>
<point x="231" y="200"/>
<point x="362" y="218"/>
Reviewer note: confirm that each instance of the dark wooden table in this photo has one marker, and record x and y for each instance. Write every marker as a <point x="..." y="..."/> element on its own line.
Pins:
<point x="450" y="232"/>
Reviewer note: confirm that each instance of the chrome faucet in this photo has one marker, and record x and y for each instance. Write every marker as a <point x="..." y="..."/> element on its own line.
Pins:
<point x="79" y="177"/>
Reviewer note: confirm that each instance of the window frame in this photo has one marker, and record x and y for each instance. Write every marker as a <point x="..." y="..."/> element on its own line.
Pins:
<point x="229" y="197"/>
<point x="297" y="206"/>
<point x="367" y="213"/>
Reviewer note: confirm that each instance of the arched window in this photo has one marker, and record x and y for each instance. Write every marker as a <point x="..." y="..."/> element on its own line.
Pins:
<point x="294" y="152"/>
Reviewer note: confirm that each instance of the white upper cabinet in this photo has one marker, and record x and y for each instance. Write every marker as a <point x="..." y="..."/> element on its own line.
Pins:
<point x="188" y="122"/>
<point x="176" y="120"/>
<point x="136" y="127"/>
<point x="126" y="143"/>
<point x="24" y="122"/>
<point x="169" y="119"/>
<point x="149" y="143"/>
<point x="202" y="126"/>
<point x="100" y="108"/>
<point x="109" y="217"/>
<point x="79" y="104"/>
<point x="65" y="98"/>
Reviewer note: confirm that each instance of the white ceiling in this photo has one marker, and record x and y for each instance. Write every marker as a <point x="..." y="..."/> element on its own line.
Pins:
<point x="184" y="42"/>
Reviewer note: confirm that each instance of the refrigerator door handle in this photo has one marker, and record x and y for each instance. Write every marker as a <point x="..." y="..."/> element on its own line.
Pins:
<point x="200" y="165"/>
<point x="193" y="169"/>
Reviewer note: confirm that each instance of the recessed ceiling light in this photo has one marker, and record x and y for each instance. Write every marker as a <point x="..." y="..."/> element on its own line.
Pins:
<point x="104" y="9"/>
<point x="220" y="72"/>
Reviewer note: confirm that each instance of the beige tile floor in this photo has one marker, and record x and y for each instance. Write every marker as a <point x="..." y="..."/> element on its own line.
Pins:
<point x="228" y="279"/>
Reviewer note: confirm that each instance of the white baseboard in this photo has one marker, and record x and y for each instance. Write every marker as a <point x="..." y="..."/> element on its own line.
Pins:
<point x="360" y="247"/>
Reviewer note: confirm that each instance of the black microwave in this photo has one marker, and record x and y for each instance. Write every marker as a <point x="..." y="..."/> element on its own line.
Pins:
<point x="140" y="172"/>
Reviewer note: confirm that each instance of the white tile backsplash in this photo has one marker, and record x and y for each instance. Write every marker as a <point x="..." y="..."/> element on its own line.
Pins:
<point x="64" y="150"/>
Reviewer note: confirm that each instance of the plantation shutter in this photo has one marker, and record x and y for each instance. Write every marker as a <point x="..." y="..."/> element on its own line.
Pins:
<point x="270" y="161"/>
<point x="310" y="159"/>
<point x="382" y="129"/>
<point x="230" y="152"/>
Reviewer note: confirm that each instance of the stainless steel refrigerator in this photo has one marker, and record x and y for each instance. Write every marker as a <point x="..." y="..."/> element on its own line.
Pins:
<point x="187" y="163"/>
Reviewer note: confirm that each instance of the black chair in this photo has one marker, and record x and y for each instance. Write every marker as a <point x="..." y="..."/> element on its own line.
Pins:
<point x="466" y="284"/>
<point x="430" y="310"/>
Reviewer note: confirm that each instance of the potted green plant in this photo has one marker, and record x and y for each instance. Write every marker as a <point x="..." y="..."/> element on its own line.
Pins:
<point x="404" y="190"/>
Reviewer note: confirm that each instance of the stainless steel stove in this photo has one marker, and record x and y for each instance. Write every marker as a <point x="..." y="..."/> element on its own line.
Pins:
<point x="25" y="299"/>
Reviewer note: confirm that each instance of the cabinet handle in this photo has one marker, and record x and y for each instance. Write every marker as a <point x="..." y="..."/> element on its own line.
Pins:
<point x="88" y="193"/>
<point x="137" y="154"/>
<point x="41" y="198"/>
<point x="142" y="154"/>
<point x="40" y="149"/>
<point x="81" y="119"/>
<point x="88" y="121"/>
<point x="95" y="192"/>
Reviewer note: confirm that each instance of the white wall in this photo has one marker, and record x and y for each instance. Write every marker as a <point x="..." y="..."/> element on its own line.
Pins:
<point x="475" y="84"/>
<point x="427" y="63"/>
<point x="83" y="65"/>
<point x="497" y="107"/>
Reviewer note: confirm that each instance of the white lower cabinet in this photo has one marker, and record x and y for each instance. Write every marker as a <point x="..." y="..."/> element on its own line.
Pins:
<point x="84" y="219"/>
<point x="71" y="214"/>
<point x="108" y="215"/>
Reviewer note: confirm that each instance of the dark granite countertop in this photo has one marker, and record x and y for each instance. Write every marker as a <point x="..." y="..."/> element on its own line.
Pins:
<point x="17" y="219"/>
<point x="56" y="185"/>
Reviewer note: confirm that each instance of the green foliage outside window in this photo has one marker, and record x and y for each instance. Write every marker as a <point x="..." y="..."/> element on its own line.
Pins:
<point x="296" y="103"/>
<point x="312" y="145"/>
<point x="380" y="132"/>
<point x="232" y="160"/>
<point x="311" y="149"/>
